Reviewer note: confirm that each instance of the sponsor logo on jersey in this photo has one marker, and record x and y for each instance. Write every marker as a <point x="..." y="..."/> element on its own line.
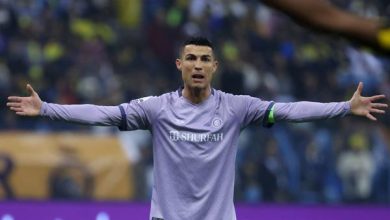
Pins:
<point x="195" y="137"/>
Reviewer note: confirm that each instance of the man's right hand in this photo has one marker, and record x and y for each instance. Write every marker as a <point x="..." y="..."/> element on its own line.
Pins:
<point x="26" y="106"/>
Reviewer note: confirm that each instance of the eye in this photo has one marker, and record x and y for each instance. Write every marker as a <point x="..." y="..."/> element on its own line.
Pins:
<point x="206" y="59"/>
<point x="190" y="57"/>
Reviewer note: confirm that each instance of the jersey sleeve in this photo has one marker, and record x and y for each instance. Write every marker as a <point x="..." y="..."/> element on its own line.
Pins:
<point x="309" y="111"/>
<point x="250" y="110"/>
<point x="82" y="114"/>
<point x="139" y="113"/>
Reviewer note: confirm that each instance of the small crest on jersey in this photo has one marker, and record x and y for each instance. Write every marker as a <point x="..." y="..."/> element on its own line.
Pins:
<point x="143" y="99"/>
<point x="216" y="122"/>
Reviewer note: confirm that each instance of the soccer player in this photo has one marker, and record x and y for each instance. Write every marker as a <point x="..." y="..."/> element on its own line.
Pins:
<point x="195" y="131"/>
<point x="324" y="16"/>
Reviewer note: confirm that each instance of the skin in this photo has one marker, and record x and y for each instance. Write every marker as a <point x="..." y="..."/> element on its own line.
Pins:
<point x="324" y="16"/>
<point x="197" y="61"/>
<point x="200" y="60"/>
<point x="26" y="106"/>
<point x="365" y="106"/>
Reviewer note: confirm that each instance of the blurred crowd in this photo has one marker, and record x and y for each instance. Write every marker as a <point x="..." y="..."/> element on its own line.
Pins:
<point x="110" y="52"/>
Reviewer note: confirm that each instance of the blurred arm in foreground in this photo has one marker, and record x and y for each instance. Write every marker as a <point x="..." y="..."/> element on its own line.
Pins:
<point x="322" y="15"/>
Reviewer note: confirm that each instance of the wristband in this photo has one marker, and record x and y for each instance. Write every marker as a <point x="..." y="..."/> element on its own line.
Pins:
<point x="269" y="118"/>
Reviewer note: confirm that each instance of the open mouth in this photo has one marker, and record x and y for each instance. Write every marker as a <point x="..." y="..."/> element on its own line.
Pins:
<point x="197" y="76"/>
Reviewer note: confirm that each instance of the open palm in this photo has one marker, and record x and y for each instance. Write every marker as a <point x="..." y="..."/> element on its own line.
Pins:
<point x="365" y="106"/>
<point x="26" y="106"/>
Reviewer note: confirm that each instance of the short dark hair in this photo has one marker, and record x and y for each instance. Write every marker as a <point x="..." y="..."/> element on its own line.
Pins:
<point x="199" y="41"/>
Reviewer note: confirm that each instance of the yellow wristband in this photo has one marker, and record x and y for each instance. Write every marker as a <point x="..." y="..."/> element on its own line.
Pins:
<point x="384" y="38"/>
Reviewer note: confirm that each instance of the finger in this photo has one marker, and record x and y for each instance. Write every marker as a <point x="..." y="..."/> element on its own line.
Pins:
<point x="376" y="97"/>
<point x="30" y="89"/>
<point x="379" y="105"/>
<point x="15" y="98"/>
<point x="359" y="88"/>
<point x="371" y="117"/>
<point x="21" y="113"/>
<point x="378" y="111"/>
<point x="16" y="109"/>
<point x="14" y="104"/>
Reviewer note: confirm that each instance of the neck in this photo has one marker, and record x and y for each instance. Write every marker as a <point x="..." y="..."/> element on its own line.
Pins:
<point x="196" y="95"/>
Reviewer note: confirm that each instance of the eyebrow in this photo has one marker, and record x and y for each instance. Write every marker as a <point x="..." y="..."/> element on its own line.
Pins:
<point x="202" y="56"/>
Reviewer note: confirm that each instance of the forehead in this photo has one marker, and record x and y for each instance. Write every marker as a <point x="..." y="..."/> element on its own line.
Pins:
<point x="197" y="50"/>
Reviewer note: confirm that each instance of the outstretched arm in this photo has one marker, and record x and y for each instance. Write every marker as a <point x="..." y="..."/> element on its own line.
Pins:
<point x="323" y="15"/>
<point x="309" y="111"/>
<point x="81" y="114"/>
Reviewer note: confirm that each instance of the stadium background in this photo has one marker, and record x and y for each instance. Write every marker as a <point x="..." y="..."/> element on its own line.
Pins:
<point x="109" y="52"/>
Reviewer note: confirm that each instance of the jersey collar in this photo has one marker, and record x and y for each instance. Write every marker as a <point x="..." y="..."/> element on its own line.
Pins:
<point x="180" y="91"/>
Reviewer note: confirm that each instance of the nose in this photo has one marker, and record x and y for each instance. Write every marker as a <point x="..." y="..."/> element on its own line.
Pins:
<point x="198" y="65"/>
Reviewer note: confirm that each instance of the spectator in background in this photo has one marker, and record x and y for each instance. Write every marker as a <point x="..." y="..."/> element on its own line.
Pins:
<point x="231" y="78"/>
<point x="381" y="178"/>
<point x="71" y="179"/>
<point x="6" y="168"/>
<point x="272" y="174"/>
<point x="314" y="172"/>
<point x="252" y="192"/>
<point x="356" y="168"/>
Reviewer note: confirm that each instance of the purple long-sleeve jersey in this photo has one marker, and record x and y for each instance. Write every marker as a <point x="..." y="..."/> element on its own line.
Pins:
<point x="194" y="145"/>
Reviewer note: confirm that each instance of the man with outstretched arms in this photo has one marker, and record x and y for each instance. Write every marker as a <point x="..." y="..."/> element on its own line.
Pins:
<point x="195" y="132"/>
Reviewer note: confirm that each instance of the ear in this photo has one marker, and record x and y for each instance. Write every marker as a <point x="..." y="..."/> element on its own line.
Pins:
<point x="178" y="64"/>
<point x="215" y="66"/>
